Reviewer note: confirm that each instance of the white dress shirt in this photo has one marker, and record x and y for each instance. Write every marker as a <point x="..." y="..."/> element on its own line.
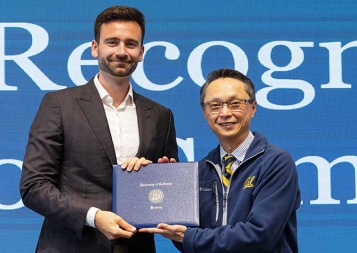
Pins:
<point x="123" y="125"/>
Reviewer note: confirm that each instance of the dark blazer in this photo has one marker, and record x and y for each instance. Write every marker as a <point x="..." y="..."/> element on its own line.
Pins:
<point x="68" y="166"/>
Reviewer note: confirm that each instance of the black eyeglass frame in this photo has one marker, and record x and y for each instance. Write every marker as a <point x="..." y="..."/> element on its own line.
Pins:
<point x="240" y="101"/>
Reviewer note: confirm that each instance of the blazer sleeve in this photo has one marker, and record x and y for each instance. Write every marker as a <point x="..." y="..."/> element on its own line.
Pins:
<point x="42" y="168"/>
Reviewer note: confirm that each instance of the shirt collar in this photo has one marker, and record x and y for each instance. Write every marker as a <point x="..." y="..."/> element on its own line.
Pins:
<point x="104" y="94"/>
<point x="241" y="150"/>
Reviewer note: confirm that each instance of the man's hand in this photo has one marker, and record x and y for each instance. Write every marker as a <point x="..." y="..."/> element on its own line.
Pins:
<point x="172" y="232"/>
<point x="112" y="225"/>
<point x="134" y="163"/>
<point x="165" y="159"/>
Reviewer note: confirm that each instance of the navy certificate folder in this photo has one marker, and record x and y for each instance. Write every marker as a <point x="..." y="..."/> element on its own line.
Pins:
<point x="157" y="193"/>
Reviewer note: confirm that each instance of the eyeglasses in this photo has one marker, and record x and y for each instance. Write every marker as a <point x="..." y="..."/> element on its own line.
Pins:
<point x="233" y="105"/>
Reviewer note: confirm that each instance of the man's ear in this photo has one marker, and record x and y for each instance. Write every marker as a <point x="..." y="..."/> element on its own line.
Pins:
<point x="254" y="109"/>
<point x="141" y="54"/>
<point x="94" y="51"/>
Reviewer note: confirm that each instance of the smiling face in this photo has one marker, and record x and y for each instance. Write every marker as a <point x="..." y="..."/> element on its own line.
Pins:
<point x="230" y="127"/>
<point x="119" y="48"/>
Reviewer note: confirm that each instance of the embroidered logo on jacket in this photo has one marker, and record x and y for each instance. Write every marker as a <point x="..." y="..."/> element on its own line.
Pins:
<point x="249" y="182"/>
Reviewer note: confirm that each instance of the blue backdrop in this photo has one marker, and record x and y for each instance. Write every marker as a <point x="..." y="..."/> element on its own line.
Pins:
<point x="301" y="55"/>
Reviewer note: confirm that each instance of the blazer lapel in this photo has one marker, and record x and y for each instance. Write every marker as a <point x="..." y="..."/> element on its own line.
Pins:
<point x="92" y="107"/>
<point x="145" y="116"/>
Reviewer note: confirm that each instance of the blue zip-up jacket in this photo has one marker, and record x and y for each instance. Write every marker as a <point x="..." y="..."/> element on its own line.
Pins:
<point x="258" y="212"/>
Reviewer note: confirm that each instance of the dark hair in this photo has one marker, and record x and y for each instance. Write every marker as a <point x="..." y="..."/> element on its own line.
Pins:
<point x="227" y="73"/>
<point x="119" y="13"/>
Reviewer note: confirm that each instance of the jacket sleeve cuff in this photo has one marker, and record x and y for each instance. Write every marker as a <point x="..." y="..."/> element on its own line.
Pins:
<point x="188" y="240"/>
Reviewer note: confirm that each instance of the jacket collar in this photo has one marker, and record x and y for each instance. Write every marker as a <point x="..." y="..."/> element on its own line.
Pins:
<point x="257" y="146"/>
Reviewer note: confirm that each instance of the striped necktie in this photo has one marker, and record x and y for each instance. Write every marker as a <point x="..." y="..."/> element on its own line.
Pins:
<point x="228" y="160"/>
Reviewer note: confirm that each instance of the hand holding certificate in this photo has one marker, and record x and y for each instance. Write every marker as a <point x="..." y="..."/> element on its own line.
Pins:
<point x="158" y="193"/>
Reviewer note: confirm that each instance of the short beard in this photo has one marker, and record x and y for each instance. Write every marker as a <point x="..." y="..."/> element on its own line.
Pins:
<point x="104" y="66"/>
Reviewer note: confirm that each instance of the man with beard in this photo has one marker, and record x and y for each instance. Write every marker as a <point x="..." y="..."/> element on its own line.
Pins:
<point x="80" y="132"/>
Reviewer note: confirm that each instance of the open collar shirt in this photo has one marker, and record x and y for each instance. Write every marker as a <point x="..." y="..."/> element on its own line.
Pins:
<point x="122" y="121"/>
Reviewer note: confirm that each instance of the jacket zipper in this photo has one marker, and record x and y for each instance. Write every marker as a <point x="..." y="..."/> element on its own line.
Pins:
<point x="225" y="192"/>
<point x="216" y="198"/>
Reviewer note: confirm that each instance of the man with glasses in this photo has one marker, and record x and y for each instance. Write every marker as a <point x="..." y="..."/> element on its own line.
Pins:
<point x="250" y="187"/>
